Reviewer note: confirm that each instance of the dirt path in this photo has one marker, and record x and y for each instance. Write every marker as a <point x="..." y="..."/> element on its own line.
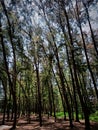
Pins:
<point x="3" y="127"/>
<point x="48" y="124"/>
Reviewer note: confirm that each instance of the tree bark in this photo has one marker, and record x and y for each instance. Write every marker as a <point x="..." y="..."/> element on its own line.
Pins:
<point x="87" y="59"/>
<point x="12" y="84"/>
<point x="84" y="107"/>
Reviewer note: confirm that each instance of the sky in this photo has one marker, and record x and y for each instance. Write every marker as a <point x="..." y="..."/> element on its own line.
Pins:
<point x="93" y="12"/>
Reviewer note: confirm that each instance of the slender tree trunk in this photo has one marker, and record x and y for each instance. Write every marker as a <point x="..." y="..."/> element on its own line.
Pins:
<point x="5" y="100"/>
<point x="61" y="76"/>
<point x="39" y="94"/>
<point x="54" y="108"/>
<point x="72" y="77"/>
<point x="74" y="87"/>
<point x="62" y="98"/>
<point x="50" y="102"/>
<point x="84" y="45"/>
<point x="51" y="86"/>
<point x="87" y="122"/>
<point x="8" y="107"/>
<point x="12" y="112"/>
<point x="84" y="107"/>
<point x="91" y="30"/>
<point x="12" y="84"/>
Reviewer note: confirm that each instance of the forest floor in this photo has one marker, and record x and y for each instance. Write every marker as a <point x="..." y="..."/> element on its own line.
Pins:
<point x="48" y="124"/>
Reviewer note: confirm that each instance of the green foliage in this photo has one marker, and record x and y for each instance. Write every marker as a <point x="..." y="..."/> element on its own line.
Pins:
<point x="44" y="41"/>
<point x="60" y="114"/>
<point x="94" y="116"/>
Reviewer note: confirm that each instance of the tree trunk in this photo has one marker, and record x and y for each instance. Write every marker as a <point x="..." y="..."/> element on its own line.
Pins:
<point x="39" y="94"/>
<point x="54" y="109"/>
<point x="50" y="102"/>
<point x="72" y="77"/>
<point x="62" y="98"/>
<point x="12" y="84"/>
<point x="87" y="123"/>
<point x="61" y="76"/>
<point x="87" y="59"/>
<point x="4" y="83"/>
<point x="91" y="30"/>
<point x="84" y="107"/>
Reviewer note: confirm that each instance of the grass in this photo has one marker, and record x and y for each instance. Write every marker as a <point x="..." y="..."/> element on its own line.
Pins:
<point x="93" y="116"/>
<point x="61" y="114"/>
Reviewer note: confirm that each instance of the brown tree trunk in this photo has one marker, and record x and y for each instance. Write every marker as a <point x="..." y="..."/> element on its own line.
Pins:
<point x="4" y="83"/>
<point x="38" y="89"/>
<point x="54" y="108"/>
<point x="62" y="98"/>
<point x="71" y="72"/>
<point x="12" y="84"/>
<point x="84" y="107"/>
<point x="61" y="76"/>
<point x="50" y="102"/>
<point x="91" y="30"/>
<point x="87" y="59"/>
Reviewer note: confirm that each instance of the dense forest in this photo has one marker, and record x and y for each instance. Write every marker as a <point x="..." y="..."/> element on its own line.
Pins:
<point x="48" y="59"/>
